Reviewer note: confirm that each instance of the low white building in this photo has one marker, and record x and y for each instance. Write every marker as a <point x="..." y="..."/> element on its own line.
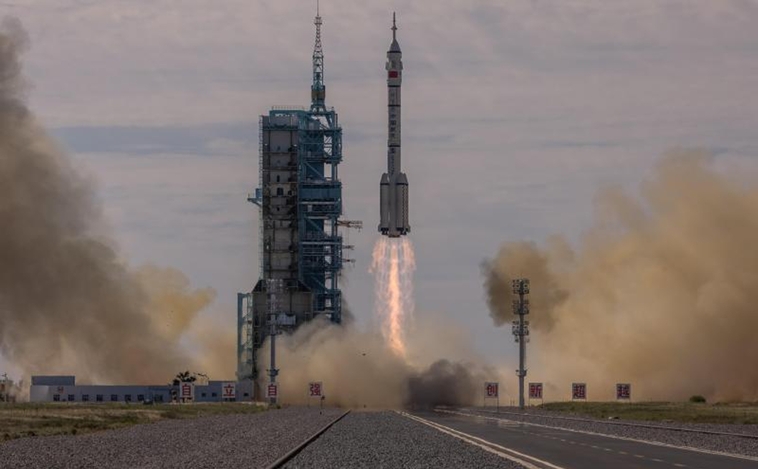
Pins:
<point x="65" y="389"/>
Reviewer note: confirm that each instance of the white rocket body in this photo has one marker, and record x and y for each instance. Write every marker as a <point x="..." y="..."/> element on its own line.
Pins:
<point x="393" y="188"/>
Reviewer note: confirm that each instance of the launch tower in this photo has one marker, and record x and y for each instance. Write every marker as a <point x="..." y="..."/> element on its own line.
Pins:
<point x="300" y="200"/>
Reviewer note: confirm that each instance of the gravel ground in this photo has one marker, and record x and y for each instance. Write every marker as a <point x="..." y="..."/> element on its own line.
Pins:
<point x="253" y="440"/>
<point x="388" y="440"/>
<point x="726" y="444"/>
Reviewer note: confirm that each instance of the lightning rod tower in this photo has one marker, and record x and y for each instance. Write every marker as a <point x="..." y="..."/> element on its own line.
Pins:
<point x="521" y="330"/>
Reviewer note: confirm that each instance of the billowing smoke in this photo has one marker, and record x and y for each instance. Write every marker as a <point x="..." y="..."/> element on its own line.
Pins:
<point x="361" y="369"/>
<point x="660" y="293"/>
<point x="447" y="383"/>
<point x="68" y="303"/>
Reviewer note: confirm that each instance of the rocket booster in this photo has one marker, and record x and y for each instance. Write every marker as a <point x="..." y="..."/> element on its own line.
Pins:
<point x="393" y="187"/>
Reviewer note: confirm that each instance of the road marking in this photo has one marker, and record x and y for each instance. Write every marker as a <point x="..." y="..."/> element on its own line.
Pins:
<point x="639" y="456"/>
<point x="494" y="448"/>
<point x="654" y="443"/>
<point x="657" y="460"/>
<point x="679" y="465"/>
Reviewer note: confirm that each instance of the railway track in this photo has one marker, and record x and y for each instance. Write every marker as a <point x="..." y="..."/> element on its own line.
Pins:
<point x="279" y="463"/>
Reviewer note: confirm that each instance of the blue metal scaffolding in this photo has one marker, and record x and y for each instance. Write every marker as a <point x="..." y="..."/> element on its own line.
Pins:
<point x="300" y="197"/>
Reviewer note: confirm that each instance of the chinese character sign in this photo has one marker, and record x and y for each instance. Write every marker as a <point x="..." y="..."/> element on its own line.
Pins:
<point x="623" y="391"/>
<point x="579" y="391"/>
<point x="187" y="391"/>
<point x="272" y="391"/>
<point x="491" y="390"/>
<point x="229" y="391"/>
<point x="316" y="389"/>
<point x="535" y="390"/>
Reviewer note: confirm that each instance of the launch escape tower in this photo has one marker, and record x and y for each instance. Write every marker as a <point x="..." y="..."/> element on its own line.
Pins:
<point x="300" y="201"/>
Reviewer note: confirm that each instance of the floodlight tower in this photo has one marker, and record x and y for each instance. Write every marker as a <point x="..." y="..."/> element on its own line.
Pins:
<point x="521" y="331"/>
<point x="6" y="385"/>
<point x="273" y="288"/>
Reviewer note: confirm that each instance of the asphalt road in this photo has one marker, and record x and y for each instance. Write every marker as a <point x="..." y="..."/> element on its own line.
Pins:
<point x="555" y="448"/>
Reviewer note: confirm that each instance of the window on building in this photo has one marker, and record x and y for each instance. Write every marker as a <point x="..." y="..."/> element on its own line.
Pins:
<point x="214" y="395"/>
<point x="202" y="395"/>
<point x="99" y="398"/>
<point x="140" y="397"/>
<point x="158" y="398"/>
<point x="278" y="179"/>
<point x="114" y="397"/>
<point x="280" y="191"/>
<point x="127" y="398"/>
<point x="247" y="394"/>
<point x="85" y="397"/>
<point x="56" y="397"/>
<point x="71" y="398"/>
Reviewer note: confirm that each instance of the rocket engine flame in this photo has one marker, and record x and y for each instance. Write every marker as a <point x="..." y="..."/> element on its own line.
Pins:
<point x="393" y="266"/>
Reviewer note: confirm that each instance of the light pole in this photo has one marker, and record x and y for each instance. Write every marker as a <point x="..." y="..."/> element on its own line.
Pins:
<point x="6" y="386"/>
<point x="273" y="288"/>
<point x="520" y="330"/>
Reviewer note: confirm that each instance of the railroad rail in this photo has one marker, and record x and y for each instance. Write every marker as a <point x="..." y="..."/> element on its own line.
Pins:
<point x="279" y="463"/>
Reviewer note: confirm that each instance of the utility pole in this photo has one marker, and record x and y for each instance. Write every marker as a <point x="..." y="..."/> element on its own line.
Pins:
<point x="520" y="330"/>
<point x="273" y="288"/>
<point x="5" y="389"/>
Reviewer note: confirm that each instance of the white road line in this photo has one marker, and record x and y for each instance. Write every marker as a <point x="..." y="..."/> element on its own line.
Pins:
<point x="654" y="443"/>
<point x="501" y="451"/>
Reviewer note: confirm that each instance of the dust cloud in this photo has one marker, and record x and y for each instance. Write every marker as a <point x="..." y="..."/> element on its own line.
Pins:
<point x="68" y="303"/>
<point x="661" y="291"/>
<point x="360" y="368"/>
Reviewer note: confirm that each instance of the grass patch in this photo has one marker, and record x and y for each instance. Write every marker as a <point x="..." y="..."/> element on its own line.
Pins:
<point x="685" y="412"/>
<point x="42" y="419"/>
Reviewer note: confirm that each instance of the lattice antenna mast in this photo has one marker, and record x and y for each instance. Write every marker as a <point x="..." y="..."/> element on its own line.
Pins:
<point x="521" y="330"/>
<point x="318" y="90"/>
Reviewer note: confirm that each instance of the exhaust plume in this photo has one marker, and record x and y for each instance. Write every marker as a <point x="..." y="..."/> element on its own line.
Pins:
<point x="68" y="304"/>
<point x="393" y="265"/>
<point x="661" y="292"/>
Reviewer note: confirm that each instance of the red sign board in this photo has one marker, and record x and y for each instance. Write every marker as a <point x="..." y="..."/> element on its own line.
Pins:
<point x="316" y="389"/>
<point x="491" y="390"/>
<point x="272" y="391"/>
<point x="229" y="391"/>
<point x="186" y="391"/>
<point x="535" y="390"/>
<point x="623" y="391"/>
<point x="579" y="391"/>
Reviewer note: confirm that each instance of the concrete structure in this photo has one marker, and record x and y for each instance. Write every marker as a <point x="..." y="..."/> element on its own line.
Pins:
<point x="393" y="187"/>
<point x="65" y="389"/>
<point x="300" y="200"/>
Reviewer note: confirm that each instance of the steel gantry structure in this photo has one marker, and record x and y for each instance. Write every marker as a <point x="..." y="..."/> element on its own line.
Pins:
<point x="300" y="201"/>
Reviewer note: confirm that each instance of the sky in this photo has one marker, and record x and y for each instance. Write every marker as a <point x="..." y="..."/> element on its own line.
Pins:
<point x="515" y="114"/>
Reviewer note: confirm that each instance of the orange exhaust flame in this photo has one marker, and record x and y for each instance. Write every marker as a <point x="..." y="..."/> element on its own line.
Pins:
<point x="393" y="265"/>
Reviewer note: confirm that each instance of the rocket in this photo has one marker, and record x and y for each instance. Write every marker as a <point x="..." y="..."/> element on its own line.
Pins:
<point x="393" y="187"/>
